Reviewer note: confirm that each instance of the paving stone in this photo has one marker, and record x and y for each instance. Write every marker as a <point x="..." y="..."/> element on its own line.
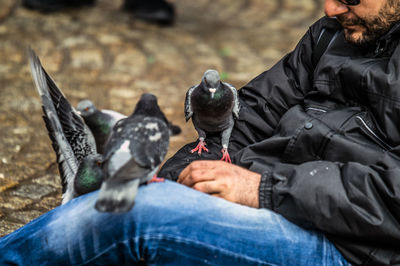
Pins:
<point x="25" y="216"/>
<point x="49" y="203"/>
<point x="33" y="191"/>
<point x="86" y="58"/>
<point x="75" y="41"/>
<point x="6" y="182"/>
<point x="49" y="180"/>
<point x="110" y="39"/>
<point x="7" y="227"/>
<point x="131" y="61"/>
<point x="14" y="202"/>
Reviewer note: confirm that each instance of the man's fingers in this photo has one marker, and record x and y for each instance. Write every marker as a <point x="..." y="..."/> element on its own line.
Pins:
<point x="196" y="176"/>
<point x="199" y="168"/>
<point x="209" y="187"/>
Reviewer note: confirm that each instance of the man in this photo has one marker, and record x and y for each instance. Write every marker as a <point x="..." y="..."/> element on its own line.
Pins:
<point x="317" y="142"/>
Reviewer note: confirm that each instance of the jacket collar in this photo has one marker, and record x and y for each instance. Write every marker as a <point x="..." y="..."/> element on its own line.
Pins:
<point x="394" y="30"/>
<point x="384" y="42"/>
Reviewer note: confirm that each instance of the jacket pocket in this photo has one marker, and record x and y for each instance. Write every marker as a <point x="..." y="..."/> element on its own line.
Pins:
<point x="339" y="135"/>
<point x="355" y="140"/>
<point x="308" y="135"/>
<point x="368" y="131"/>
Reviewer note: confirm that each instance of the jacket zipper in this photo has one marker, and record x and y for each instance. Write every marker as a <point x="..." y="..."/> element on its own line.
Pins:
<point x="316" y="109"/>
<point x="380" y="141"/>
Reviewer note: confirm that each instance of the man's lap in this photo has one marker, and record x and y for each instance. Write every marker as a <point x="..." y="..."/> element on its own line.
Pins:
<point x="169" y="224"/>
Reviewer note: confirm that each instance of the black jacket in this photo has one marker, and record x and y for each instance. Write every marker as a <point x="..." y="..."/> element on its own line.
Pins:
<point x="326" y="140"/>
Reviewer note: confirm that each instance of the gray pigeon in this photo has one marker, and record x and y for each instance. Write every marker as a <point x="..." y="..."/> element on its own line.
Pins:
<point x="212" y="105"/>
<point x="102" y="121"/>
<point x="78" y="161"/>
<point x="133" y="153"/>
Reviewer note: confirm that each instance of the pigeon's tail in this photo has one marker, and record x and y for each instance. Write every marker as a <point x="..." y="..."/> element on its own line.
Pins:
<point x="117" y="196"/>
<point x="65" y="156"/>
<point x="174" y="130"/>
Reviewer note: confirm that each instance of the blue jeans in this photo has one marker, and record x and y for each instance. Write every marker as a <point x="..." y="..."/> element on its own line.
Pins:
<point x="170" y="224"/>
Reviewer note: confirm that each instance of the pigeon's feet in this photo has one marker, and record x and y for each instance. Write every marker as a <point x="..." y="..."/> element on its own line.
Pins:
<point x="225" y="156"/>
<point x="156" y="179"/>
<point x="200" y="147"/>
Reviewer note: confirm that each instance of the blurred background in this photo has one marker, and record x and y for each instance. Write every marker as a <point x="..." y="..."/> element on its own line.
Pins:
<point x="106" y="55"/>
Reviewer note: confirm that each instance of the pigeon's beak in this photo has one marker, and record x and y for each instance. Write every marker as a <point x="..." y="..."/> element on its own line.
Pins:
<point x="212" y="91"/>
<point x="79" y="112"/>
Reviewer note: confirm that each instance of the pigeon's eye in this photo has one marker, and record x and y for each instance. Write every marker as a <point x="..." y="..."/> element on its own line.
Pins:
<point x="87" y="109"/>
<point x="99" y="163"/>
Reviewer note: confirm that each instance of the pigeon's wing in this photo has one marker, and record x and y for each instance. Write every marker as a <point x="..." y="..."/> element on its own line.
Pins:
<point x="136" y="148"/>
<point x="71" y="139"/>
<point x="236" y="104"/>
<point x="146" y="139"/>
<point x="188" y="106"/>
<point x="76" y="131"/>
<point x="151" y="142"/>
<point x="115" y="139"/>
<point x="119" y="154"/>
<point x="115" y="115"/>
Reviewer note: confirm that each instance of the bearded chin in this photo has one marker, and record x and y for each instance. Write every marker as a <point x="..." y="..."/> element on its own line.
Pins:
<point x="364" y="40"/>
<point x="374" y="27"/>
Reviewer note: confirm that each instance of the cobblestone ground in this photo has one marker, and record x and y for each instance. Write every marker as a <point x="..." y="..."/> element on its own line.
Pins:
<point x="104" y="54"/>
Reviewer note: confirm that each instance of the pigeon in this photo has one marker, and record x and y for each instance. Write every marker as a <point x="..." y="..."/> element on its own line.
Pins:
<point x="135" y="149"/>
<point x="102" y="121"/>
<point x="213" y="105"/>
<point x="89" y="175"/>
<point x="79" y="163"/>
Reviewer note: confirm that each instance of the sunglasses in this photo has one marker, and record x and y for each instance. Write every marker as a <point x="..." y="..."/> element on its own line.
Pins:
<point x="350" y="2"/>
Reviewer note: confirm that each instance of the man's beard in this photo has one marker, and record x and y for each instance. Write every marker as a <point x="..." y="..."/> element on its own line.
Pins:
<point x="374" y="27"/>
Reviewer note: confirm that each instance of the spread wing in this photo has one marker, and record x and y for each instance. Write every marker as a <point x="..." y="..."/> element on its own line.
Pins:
<point x="71" y="138"/>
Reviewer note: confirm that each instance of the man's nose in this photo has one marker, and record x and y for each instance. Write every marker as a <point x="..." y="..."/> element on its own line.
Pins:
<point x="334" y="8"/>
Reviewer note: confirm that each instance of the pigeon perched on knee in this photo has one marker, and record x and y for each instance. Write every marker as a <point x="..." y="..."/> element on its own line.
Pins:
<point x="77" y="157"/>
<point x="102" y="121"/>
<point x="212" y="105"/>
<point x="135" y="149"/>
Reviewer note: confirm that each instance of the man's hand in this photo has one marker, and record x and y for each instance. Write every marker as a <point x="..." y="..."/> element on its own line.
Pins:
<point x="223" y="180"/>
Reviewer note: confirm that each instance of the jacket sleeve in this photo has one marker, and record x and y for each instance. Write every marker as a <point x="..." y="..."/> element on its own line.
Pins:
<point x="347" y="199"/>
